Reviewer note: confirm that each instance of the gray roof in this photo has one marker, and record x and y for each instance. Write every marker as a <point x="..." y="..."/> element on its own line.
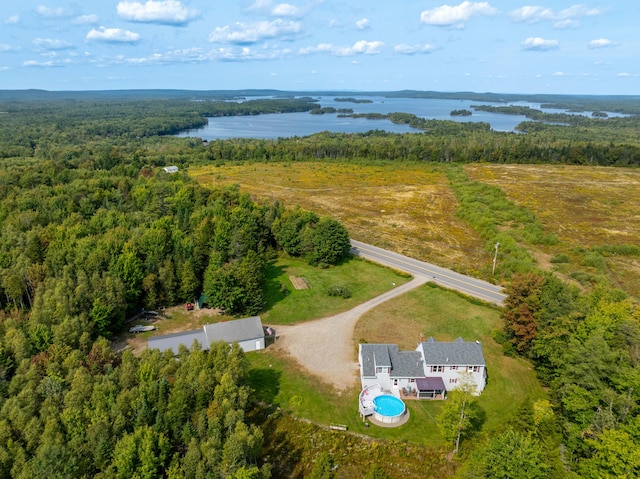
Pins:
<point x="404" y="364"/>
<point x="458" y="352"/>
<point x="173" y="341"/>
<point x="238" y="330"/>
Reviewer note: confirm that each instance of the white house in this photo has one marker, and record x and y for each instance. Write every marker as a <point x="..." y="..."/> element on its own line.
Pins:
<point x="428" y="372"/>
<point x="170" y="169"/>
<point x="248" y="333"/>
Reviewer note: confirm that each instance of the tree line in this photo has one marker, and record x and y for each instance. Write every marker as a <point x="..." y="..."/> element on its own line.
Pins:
<point x="586" y="349"/>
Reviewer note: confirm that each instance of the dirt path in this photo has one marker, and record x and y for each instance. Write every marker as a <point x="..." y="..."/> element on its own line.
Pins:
<point x="325" y="347"/>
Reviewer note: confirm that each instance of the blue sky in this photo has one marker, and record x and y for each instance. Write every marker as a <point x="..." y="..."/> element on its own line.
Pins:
<point x="502" y="46"/>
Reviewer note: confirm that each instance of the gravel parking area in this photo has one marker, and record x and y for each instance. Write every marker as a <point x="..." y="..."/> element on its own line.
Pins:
<point x="326" y="348"/>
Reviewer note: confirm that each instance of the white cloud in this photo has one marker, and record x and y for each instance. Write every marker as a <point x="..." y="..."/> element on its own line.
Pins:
<point x="539" y="44"/>
<point x="623" y="75"/>
<point x="280" y="9"/>
<point x="558" y="74"/>
<point x="565" y="24"/>
<point x="12" y="20"/>
<point x="48" y="12"/>
<point x="247" y="33"/>
<point x="112" y="35"/>
<point x="167" y="12"/>
<point x="361" y="47"/>
<point x="363" y="24"/>
<point x="579" y="11"/>
<point x="562" y="19"/>
<point x="4" y="48"/>
<point x="285" y="10"/>
<point x="85" y="20"/>
<point x="456" y="15"/>
<point x="51" y="44"/>
<point x="602" y="43"/>
<point x="532" y="14"/>
<point x="414" y="49"/>
<point x="320" y="48"/>
<point x="33" y="63"/>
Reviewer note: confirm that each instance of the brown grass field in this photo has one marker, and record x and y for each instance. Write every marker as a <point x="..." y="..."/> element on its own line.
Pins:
<point x="584" y="206"/>
<point x="409" y="208"/>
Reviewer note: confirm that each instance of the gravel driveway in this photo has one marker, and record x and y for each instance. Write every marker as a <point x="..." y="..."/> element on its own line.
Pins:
<point x="325" y="347"/>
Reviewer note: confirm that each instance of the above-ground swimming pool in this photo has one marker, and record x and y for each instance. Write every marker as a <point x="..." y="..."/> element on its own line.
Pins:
<point x="388" y="409"/>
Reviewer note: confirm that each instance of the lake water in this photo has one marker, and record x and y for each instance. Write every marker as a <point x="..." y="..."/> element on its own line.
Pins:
<point x="285" y="125"/>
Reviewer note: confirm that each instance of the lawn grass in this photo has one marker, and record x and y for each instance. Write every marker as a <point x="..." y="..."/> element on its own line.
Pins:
<point x="442" y="314"/>
<point x="446" y="316"/>
<point x="363" y="279"/>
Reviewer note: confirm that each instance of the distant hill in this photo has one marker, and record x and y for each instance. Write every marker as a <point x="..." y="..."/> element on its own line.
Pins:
<point x="629" y="104"/>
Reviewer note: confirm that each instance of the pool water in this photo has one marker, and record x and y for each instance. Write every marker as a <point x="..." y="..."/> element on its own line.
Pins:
<point x="387" y="405"/>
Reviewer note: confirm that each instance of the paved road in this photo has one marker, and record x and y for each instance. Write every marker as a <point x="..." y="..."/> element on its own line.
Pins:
<point x="441" y="276"/>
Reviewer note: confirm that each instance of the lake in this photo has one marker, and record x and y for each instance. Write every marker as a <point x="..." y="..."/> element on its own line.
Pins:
<point x="285" y="125"/>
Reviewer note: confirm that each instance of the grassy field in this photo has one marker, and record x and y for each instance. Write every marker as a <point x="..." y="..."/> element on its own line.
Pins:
<point x="404" y="207"/>
<point x="286" y="305"/>
<point x="411" y="209"/>
<point x="586" y="207"/>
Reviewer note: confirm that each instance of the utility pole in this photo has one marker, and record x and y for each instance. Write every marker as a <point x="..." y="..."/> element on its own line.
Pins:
<point x="495" y="258"/>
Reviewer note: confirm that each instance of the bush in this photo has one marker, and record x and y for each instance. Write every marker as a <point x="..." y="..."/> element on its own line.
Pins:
<point x="339" y="291"/>
<point x="560" y="258"/>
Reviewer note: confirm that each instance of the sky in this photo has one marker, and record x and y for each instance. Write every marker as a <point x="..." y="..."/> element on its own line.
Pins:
<point x="501" y="46"/>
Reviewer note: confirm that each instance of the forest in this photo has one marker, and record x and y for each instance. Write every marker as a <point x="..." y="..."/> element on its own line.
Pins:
<point x="93" y="229"/>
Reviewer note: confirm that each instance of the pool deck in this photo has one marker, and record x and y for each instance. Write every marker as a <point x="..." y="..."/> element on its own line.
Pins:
<point x="403" y="420"/>
<point x="367" y="407"/>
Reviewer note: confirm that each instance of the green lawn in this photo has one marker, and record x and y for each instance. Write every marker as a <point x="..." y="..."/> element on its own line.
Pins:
<point x="286" y="305"/>
<point x="428" y="310"/>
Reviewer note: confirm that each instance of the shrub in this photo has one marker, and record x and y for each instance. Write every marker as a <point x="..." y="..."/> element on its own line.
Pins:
<point x="339" y="291"/>
<point x="560" y="258"/>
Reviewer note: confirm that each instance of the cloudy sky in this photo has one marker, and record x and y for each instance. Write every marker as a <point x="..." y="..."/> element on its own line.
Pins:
<point x="508" y="46"/>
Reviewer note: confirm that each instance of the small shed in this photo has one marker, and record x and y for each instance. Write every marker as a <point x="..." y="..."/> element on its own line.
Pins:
<point x="170" y="169"/>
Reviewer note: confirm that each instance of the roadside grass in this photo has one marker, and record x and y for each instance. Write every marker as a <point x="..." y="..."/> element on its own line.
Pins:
<point x="287" y="305"/>
<point x="279" y="380"/>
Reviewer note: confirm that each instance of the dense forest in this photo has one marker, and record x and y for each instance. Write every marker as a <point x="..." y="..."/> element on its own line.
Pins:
<point x="93" y="229"/>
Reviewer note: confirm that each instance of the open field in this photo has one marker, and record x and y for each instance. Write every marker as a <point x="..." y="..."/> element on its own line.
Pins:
<point x="586" y="207"/>
<point x="410" y="208"/>
<point x="407" y="208"/>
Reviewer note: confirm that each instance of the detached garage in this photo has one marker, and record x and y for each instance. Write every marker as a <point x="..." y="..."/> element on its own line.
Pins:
<point x="247" y="332"/>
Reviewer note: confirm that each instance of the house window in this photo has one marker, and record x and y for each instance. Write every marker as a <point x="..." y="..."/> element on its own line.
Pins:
<point x="453" y="368"/>
<point x="453" y="380"/>
<point x="412" y="380"/>
<point x="437" y="369"/>
<point x="382" y="370"/>
<point x="474" y="369"/>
